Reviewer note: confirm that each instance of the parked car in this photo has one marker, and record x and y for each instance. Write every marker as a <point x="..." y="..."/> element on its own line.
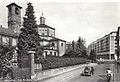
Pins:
<point x="88" y="71"/>
<point x="100" y="61"/>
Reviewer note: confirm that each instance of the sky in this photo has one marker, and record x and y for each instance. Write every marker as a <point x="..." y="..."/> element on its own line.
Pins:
<point x="90" y="20"/>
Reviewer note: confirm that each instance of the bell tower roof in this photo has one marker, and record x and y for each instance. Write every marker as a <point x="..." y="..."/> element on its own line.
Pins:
<point x="14" y="5"/>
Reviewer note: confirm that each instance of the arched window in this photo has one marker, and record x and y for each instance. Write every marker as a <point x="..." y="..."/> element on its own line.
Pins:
<point x="16" y="11"/>
<point x="61" y="44"/>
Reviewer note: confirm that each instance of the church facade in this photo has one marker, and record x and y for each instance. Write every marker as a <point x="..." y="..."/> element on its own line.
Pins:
<point x="8" y="36"/>
<point x="52" y="45"/>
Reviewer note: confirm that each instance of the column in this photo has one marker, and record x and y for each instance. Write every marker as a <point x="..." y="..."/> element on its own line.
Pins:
<point x="31" y="53"/>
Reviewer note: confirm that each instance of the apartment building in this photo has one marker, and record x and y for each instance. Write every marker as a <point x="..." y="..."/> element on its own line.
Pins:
<point x="105" y="47"/>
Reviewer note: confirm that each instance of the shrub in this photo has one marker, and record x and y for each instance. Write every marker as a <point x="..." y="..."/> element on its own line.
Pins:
<point x="56" y="62"/>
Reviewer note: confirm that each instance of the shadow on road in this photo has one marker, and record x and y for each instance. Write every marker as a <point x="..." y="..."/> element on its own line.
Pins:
<point x="102" y="79"/>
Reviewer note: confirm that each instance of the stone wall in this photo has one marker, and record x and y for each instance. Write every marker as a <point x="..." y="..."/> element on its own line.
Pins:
<point x="53" y="72"/>
<point x="21" y="73"/>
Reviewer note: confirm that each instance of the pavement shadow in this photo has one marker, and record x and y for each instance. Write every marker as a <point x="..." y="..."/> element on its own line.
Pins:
<point x="102" y="78"/>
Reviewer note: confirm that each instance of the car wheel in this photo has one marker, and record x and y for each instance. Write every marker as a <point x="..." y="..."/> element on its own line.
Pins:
<point x="90" y="74"/>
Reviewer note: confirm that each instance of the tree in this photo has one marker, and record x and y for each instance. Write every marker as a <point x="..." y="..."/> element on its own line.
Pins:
<point x="73" y="45"/>
<point x="6" y="54"/>
<point x="92" y="55"/>
<point x="29" y="38"/>
<point x="71" y="53"/>
<point x="80" y="47"/>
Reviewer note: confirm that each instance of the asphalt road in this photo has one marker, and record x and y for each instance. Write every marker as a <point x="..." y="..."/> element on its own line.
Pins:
<point x="99" y="76"/>
<point x="74" y="76"/>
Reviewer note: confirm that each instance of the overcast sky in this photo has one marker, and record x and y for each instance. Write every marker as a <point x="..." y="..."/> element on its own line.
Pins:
<point x="90" y="20"/>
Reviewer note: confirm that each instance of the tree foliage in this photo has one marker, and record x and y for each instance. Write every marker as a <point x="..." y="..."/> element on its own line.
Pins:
<point x="6" y="54"/>
<point x="92" y="55"/>
<point x="71" y="53"/>
<point x="81" y="48"/>
<point x="78" y="49"/>
<point x="73" y="45"/>
<point x="29" y="38"/>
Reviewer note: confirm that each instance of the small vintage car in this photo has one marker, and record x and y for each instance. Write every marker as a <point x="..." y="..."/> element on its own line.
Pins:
<point x="88" y="71"/>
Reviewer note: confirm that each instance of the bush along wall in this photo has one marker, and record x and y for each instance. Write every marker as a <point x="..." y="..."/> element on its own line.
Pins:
<point x="56" y="62"/>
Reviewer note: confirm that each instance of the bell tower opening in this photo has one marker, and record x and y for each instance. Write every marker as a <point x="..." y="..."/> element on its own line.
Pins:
<point x="14" y="17"/>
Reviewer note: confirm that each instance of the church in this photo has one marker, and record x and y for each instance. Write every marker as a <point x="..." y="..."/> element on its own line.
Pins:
<point x="52" y="45"/>
<point x="8" y="36"/>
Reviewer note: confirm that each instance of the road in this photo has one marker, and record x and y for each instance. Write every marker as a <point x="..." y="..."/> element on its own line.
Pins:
<point x="74" y="76"/>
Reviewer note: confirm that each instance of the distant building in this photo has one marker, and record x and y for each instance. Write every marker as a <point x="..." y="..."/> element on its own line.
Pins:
<point x="105" y="47"/>
<point x="68" y="45"/>
<point x="118" y="43"/>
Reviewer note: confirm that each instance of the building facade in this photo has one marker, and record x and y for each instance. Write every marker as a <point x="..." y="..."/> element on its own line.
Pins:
<point x="118" y="43"/>
<point x="8" y="36"/>
<point x="52" y="45"/>
<point x="105" y="47"/>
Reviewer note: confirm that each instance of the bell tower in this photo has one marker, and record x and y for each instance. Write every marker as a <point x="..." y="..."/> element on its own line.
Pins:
<point x="14" y="17"/>
<point x="42" y="19"/>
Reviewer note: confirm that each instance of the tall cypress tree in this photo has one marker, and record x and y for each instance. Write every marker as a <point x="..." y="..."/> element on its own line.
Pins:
<point x="29" y="38"/>
<point x="73" y="45"/>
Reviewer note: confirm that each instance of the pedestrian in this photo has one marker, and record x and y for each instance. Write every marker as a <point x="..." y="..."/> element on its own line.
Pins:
<point x="109" y="74"/>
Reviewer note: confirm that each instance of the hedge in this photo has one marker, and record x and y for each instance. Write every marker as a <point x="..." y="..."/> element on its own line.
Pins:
<point x="56" y="62"/>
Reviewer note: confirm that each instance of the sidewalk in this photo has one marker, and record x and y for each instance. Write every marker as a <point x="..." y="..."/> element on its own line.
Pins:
<point x="116" y="73"/>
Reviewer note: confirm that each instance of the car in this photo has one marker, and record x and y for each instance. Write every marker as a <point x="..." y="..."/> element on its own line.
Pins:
<point x="88" y="71"/>
<point x="100" y="62"/>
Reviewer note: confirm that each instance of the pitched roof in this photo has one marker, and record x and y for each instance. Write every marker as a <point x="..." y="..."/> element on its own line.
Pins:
<point x="7" y="32"/>
<point x="14" y="4"/>
<point x="43" y="39"/>
<point x="56" y="39"/>
<point x="46" y="26"/>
